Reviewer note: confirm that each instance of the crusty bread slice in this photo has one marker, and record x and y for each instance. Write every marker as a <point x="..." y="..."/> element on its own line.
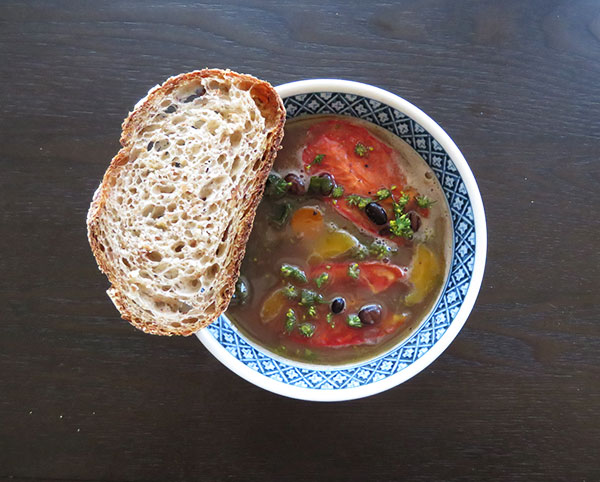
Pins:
<point x="170" y="221"/>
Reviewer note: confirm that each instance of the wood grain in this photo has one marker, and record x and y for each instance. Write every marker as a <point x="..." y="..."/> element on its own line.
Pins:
<point x="85" y="397"/>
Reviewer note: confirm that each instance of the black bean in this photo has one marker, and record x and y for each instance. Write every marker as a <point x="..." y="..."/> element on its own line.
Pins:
<point x="327" y="183"/>
<point x="297" y="187"/>
<point x="376" y="213"/>
<point x="240" y="296"/>
<point x="415" y="221"/>
<point x="150" y="146"/>
<point x="338" y="305"/>
<point x="170" y="109"/>
<point x="177" y="164"/>
<point x="370" y="314"/>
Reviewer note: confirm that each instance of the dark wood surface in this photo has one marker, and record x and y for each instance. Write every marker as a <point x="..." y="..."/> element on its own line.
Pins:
<point x="516" y="397"/>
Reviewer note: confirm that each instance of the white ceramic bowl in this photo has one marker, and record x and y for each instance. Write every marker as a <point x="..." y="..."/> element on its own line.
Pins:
<point x="334" y="383"/>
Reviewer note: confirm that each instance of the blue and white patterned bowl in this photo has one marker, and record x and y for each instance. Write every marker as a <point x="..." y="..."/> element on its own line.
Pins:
<point x="410" y="356"/>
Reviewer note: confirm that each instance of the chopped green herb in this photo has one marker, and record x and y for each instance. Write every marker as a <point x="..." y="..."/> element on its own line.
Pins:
<point x="290" y="292"/>
<point x="354" y="321"/>
<point x="330" y="319"/>
<point x="380" y="250"/>
<point x="338" y="191"/>
<point x="360" y="252"/>
<point x="383" y="194"/>
<point x="309" y="298"/>
<point x="293" y="272"/>
<point x="281" y="213"/>
<point x="393" y="187"/>
<point x="321" y="279"/>
<point x="424" y="202"/>
<point x="401" y="226"/>
<point x="403" y="200"/>
<point x="276" y="185"/>
<point x="312" y="311"/>
<point x="317" y="160"/>
<point x="328" y="266"/>
<point x="356" y="200"/>
<point x="353" y="271"/>
<point x="290" y="320"/>
<point x="306" y="329"/>
<point x="361" y="150"/>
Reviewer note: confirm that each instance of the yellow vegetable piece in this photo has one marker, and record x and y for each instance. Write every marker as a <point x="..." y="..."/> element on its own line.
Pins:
<point x="334" y="244"/>
<point x="426" y="270"/>
<point x="273" y="306"/>
<point x="307" y="222"/>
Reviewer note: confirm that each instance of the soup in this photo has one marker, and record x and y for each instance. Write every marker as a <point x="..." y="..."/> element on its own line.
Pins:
<point x="350" y="245"/>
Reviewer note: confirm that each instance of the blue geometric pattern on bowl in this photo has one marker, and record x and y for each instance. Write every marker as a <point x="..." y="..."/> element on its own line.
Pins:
<point x="456" y="288"/>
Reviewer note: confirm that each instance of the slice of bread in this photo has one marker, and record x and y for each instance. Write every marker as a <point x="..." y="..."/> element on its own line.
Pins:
<point x="170" y="221"/>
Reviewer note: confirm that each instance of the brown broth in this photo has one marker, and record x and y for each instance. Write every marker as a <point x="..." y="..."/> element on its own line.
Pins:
<point x="269" y="247"/>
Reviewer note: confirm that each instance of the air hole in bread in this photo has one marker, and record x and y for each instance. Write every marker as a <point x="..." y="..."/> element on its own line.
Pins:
<point x="219" y="251"/>
<point x="125" y="262"/>
<point x="225" y="233"/>
<point x="189" y="321"/>
<point x="212" y="126"/>
<point x="154" y="256"/>
<point x="193" y="243"/>
<point x="158" y="212"/>
<point x="166" y="188"/>
<point x="213" y="270"/>
<point x="177" y="247"/>
<point x="236" y="137"/>
<point x="199" y="123"/>
<point x="171" y="274"/>
<point x="171" y="207"/>
<point x="257" y="164"/>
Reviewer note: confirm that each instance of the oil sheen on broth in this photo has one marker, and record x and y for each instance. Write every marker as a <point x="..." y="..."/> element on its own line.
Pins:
<point x="350" y="245"/>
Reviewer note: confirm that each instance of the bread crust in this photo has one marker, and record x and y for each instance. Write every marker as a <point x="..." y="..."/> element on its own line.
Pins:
<point x="272" y="108"/>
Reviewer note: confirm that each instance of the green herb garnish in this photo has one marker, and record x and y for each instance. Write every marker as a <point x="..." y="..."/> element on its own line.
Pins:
<point x="424" y="202"/>
<point x="290" y="320"/>
<point x="401" y="226"/>
<point x="290" y="292"/>
<point x="380" y="250"/>
<point x="312" y="311"/>
<point x="293" y="272"/>
<point x="354" y="321"/>
<point x="330" y="319"/>
<point x="361" y="150"/>
<point x="383" y="194"/>
<point x="309" y="298"/>
<point x="276" y="185"/>
<point x="356" y="200"/>
<point x="402" y="200"/>
<point x="321" y="279"/>
<point x="353" y="271"/>
<point x="360" y="252"/>
<point x="306" y="329"/>
<point x="281" y="214"/>
<point x="317" y="160"/>
<point x="338" y="191"/>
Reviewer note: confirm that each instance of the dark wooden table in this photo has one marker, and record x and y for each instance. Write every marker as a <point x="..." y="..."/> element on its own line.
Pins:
<point x="83" y="396"/>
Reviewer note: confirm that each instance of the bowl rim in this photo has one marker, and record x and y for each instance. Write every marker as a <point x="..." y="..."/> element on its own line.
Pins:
<point x="365" y="90"/>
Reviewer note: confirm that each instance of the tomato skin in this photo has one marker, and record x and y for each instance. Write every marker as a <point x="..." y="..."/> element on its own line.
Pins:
<point x="364" y="175"/>
<point x="374" y="275"/>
